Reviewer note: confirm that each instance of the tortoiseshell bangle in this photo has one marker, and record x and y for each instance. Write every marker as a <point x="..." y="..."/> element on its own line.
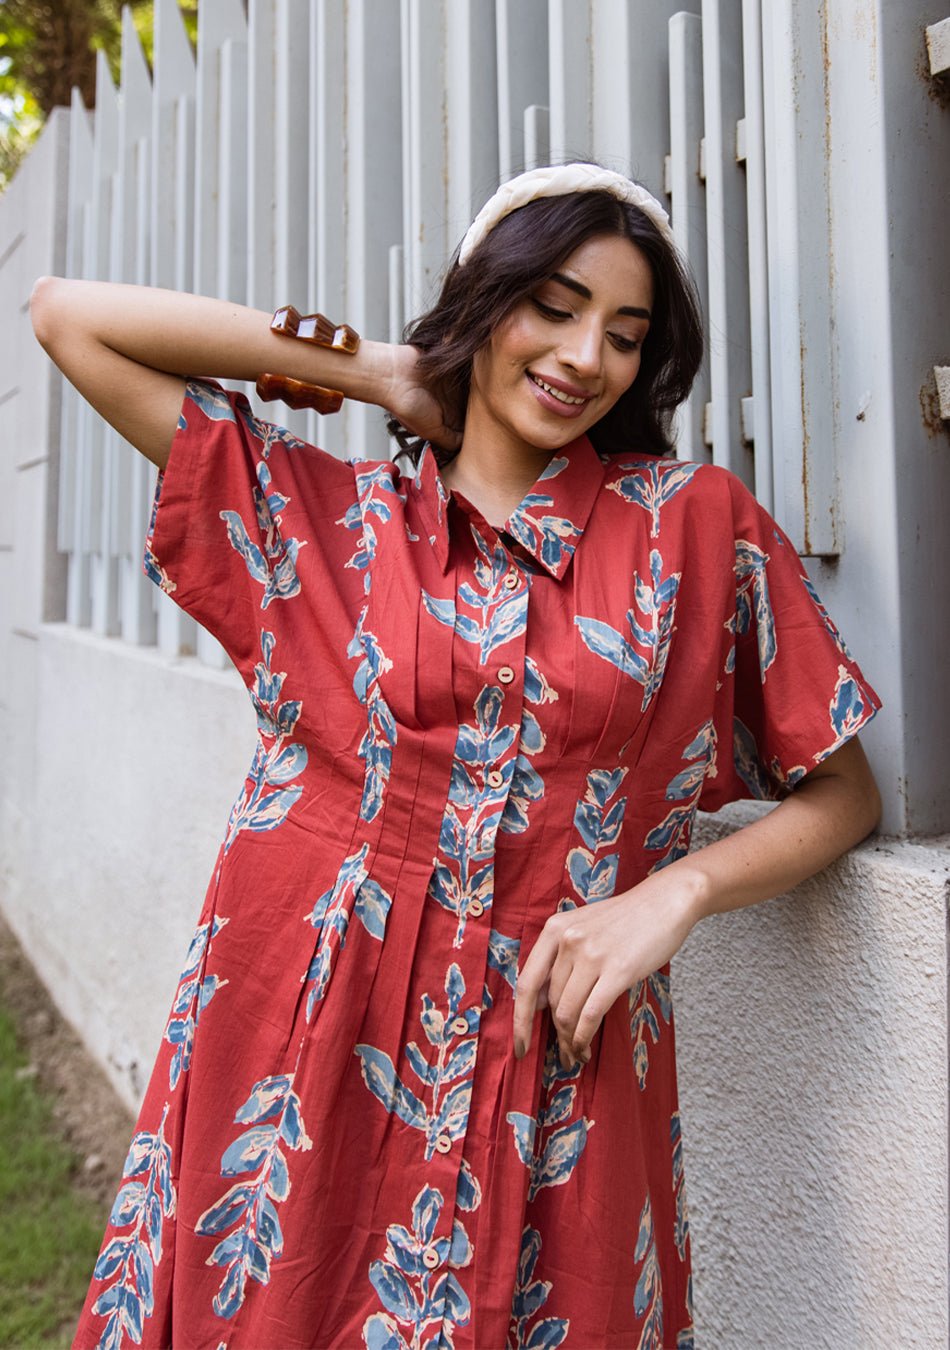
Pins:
<point x="315" y="328"/>
<point x="298" y="394"/>
<point x="318" y="329"/>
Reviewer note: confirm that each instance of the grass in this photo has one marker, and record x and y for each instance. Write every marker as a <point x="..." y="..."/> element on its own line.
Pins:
<point x="49" y="1235"/>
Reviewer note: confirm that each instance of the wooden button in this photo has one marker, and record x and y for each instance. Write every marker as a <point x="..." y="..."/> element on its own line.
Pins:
<point x="443" y="1144"/>
<point x="430" y="1258"/>
<point x="475" y="908"/>
<point x="496" y="778"/>
<point x="460" y="1026"/>
<point x="506" y="674"/>
<point x="510" y="581"/>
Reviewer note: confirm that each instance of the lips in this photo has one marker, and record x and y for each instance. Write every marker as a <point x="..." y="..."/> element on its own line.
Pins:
<point x="564" y="399"/>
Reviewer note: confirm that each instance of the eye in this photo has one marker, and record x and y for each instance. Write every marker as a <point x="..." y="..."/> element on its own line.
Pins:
<point x="624" y="344"/>
<point x="549" y="311"/>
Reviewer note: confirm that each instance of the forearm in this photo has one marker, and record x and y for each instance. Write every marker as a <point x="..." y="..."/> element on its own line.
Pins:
<point x="830" y="811"/>
<point x="194" y="335"/>
<point x="127" y="349"/>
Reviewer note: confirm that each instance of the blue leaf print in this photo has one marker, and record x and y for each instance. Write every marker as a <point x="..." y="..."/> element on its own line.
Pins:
<point x="752" y="601"/>
<point x="191" y="997"/>
<point x="530" y="1295"/>
<point x="214" y="403"/>
<point x="409" y="1291"/>
<point x="550" y="1148"/>
<point x="657" y="601"/>
<point x="526" y="786"/>
<point x="265" y="800"/>
<point x="681" y="1228"/>
<point x="524" y="1128"/>
<point x="256" y="1240"/>
<point x="599" y="822"/>
<point x="376" y="747"/>
<point x="353" y="891"/>
<point x="849" y="708"/>
<point x="435" y="1112"/>
<point x="648" y="1296"/>
<point x="652" y="486"/>
<point x="643" y="1019"/>
<point x="274" y="564"/>
<point x="129" y="1259"/>
<point x="826" y="617"/>
<point x="379" y="1075"/>
<point x="748" y="764"/>
<point x="503" y="956"/>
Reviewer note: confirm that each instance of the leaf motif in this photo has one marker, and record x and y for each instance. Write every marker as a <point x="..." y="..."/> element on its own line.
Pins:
<point x="248" y="1151"/>
<point x="603" y="877"/>
<point x="561" y="1155"/>
<point x="371" y="907"/>
<point x="561" y="1105"/>
<point x="111" y="1258"/>
<point x="240" y="541"/>
<point x="547" y="1334"/>
<point x="381" y="1333"/>
<point x="425" y="1213"/>
<point x="272" y="810"/>
<point x="460" y="1062"/>
<point x="128" y="1204"/>
<point x="278" y="1180"/>
<point x="503" y="956"/>
<point x="291" y="761"/>
<point x="605" y="641"/>
<point x="394" y="1291"/>
<point x="225" y="1211"/>
<point x="524" y="1127"/>
<point x="379" y="1075"/>
<point x="468" y="1196"/>
<point x="144" y="1272"/>
<point x="266" y="1099"/>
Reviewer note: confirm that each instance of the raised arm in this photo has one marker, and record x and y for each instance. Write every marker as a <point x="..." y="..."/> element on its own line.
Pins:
<point x="584" y="959"/>
<point x="127" y="350"/>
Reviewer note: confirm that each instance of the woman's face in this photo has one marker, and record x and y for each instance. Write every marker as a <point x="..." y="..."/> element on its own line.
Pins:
<point x="566" y="353"/>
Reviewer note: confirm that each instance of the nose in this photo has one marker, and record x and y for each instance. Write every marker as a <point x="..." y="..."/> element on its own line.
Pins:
<point x="583" y="348"/>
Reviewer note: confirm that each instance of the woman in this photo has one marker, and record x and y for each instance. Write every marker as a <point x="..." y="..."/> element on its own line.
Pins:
<point x="488" y="695"/>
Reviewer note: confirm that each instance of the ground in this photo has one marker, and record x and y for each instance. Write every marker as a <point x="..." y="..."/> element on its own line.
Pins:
<point x="93" y="1121"/>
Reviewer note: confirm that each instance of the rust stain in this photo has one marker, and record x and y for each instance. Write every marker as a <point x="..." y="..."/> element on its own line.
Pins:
<point x="937" y="86"/>
<point x="934" y="424"/>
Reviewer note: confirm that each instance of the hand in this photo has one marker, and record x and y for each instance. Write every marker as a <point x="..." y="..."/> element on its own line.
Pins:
<point x="585" y="958"/>
<point x="412" y="403"/>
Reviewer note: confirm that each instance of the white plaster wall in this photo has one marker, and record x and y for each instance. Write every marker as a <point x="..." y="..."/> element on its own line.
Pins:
<point x="137" y="759"/>
<point x="812" y="1036"/>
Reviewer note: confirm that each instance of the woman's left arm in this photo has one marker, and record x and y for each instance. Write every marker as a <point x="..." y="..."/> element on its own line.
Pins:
<point x="585" y="958"/>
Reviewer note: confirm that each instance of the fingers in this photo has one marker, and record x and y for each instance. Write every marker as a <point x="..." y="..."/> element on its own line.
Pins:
<point x="572" y="974"/>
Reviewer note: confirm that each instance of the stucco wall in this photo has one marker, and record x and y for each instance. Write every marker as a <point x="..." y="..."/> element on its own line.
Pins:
<point x="812" y="1039"/>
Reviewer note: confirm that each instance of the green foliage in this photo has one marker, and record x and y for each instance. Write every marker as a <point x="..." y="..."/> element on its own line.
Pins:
<point x="48" y="47"/>
<point x="49" y="1236"/>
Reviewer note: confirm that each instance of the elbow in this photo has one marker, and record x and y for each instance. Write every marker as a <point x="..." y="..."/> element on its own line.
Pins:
<point x="44" y="303"/>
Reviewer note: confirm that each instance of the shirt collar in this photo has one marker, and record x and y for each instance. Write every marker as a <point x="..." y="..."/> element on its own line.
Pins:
<point x="549" y="521"/>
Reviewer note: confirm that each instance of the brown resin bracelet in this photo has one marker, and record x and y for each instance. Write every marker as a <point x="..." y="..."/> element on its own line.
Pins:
<point x="318" y="329"/>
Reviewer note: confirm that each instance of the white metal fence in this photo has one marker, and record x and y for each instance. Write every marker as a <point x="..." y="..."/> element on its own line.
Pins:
<point x="332" y="152"/>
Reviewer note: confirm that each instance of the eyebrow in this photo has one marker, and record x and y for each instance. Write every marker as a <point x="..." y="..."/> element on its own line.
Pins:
<point x="582" y="290"/>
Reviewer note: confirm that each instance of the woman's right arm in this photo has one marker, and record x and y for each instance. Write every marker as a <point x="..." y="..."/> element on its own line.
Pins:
<point x="128" y="349"/>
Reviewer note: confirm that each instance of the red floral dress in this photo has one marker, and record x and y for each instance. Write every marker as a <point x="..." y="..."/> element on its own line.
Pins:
<point x="461" y="731"/>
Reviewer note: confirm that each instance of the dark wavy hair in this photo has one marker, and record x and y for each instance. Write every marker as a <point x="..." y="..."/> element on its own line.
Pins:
<point x="514" y="259"/>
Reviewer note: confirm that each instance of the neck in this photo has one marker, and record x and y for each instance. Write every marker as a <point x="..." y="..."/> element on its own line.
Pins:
<point x="493" y="474"/>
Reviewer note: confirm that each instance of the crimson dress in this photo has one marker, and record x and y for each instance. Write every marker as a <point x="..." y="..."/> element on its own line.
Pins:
<point x="461" y="731"/>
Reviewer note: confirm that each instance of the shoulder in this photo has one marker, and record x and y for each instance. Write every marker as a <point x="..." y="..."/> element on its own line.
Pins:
<point x="714" y="496"/>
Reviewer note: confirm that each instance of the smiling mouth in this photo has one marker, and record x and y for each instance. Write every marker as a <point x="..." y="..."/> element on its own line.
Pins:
<point x="559" y="394"/>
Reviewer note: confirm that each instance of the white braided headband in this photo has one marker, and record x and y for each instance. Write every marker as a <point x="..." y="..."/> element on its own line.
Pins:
<point x="558" y="181"/>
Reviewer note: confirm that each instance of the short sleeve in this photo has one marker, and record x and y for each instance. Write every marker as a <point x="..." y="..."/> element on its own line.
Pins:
<point x="240" y="506"/>
<point x="790" y="693"/>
